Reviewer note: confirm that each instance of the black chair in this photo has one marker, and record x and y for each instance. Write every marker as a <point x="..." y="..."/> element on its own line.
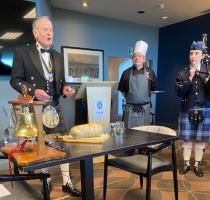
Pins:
<point x="24" y="177"/>
<point x="146" y="164"/>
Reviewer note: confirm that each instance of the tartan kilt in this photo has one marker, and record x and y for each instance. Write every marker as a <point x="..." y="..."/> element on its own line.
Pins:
<point x="192" y="131"/>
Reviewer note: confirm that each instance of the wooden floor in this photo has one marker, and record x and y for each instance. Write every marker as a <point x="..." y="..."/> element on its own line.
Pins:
<point x="123" y="185"/>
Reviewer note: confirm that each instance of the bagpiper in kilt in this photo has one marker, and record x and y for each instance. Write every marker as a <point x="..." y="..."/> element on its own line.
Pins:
<point x="194" y="119"/>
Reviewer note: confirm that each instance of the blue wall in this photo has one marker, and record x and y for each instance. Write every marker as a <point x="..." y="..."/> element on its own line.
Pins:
<point x="112" y="36"/>
<point x="43" y="7"/>
<point x="88" y="31"/>
<point x="174" y="43"/>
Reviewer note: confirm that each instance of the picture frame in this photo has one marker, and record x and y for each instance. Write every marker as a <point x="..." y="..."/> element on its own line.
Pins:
<point x="82" y="64"/>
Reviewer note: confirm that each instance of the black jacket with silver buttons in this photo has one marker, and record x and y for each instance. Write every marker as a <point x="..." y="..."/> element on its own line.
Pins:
<point x="193" y="93"/>
<point x="27" y="70"/>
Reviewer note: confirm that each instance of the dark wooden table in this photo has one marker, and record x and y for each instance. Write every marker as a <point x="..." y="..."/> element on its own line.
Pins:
<point x="85" y="153"/>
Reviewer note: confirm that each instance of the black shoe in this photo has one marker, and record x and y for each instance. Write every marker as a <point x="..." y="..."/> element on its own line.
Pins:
<point x="184" y="169"/>
<point x="197" y="170"/>
<point x="49" y="186"/>
<point x="71" y="189"/>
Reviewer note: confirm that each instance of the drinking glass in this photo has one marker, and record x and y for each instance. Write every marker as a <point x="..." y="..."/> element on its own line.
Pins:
<point x="8" y="131"/>
<point x="112" y="128"/>
<point x="120" y="126"/>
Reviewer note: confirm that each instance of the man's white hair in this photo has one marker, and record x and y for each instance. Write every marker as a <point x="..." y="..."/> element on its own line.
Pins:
<point x="35" y="22"/>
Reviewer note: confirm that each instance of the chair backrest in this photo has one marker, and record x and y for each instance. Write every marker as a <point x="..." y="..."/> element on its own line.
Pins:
<point x="156" y="129"/>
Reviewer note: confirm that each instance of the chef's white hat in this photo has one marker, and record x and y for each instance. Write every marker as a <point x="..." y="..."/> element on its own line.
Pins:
<point x="141" y="47"/>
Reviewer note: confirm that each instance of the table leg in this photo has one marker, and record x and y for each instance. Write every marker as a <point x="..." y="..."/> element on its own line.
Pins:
<point x="86" y="168"/>
<point x="175" y="171"/>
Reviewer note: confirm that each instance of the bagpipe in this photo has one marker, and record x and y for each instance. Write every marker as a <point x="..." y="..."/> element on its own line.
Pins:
<point x="205" y="62"/>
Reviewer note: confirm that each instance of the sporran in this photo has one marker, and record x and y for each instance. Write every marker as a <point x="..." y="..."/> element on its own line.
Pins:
<point x="196" y="116"/>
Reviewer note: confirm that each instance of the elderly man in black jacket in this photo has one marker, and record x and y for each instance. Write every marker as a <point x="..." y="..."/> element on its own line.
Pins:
<point x="39" y="68"/>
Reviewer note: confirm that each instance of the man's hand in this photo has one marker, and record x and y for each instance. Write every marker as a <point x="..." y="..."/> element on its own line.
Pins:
<point x="192" y="73"/>
<point x="41" y="95"/>
<point x="68" y="91"/>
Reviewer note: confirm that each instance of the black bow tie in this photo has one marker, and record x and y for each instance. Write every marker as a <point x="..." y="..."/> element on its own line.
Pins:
<point x="45" y="50"/>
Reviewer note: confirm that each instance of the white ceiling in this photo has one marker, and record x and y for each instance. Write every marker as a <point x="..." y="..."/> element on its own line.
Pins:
<point x="176" y="10"/>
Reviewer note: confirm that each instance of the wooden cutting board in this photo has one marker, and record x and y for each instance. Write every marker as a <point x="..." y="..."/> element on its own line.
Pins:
<point x="93" y="140"/>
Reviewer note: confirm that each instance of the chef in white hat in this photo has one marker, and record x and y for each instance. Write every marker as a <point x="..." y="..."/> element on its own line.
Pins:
<point x="136" y="84"/>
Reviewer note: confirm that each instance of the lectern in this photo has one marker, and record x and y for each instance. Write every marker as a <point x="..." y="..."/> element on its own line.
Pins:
<point x="98" y="94"/>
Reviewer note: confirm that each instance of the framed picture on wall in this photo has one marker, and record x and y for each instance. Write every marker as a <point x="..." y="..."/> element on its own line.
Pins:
<point x="82" y="64"/>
